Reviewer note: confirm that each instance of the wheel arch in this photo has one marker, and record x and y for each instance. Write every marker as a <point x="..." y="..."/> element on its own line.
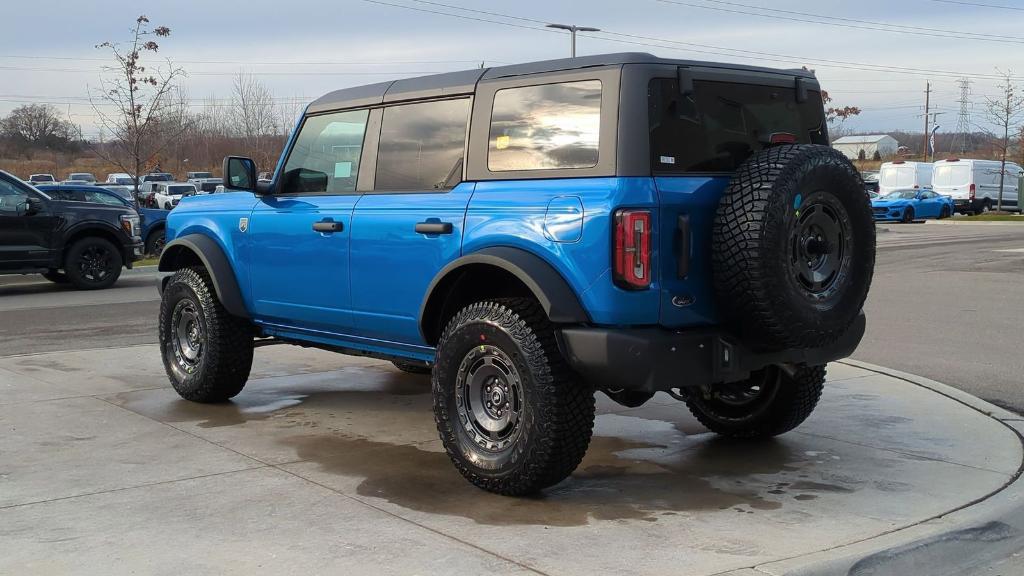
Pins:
<point x="497" y="272"/>
<point x="199" y="249"/>
<point x="98" y="230"/>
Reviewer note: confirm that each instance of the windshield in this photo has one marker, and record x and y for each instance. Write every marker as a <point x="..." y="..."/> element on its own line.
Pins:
<point x="124" y="181"/>
<point x="184" y="190"/>
<point x="201" y="175"/>
<point x="41" y="178"/>
<point x="951" y="175"/>
<point x="901" y="195"/>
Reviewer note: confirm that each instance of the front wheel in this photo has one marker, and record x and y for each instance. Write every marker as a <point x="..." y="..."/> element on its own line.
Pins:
<point x="945" y="213"/>
<point x="155" y="243"/>
<point x="207" y="353"/>
<point x="771" y="402"/>
<point x="512" y="416"/>
<point x="908" y="215"/>
<point x="93" y="263"/>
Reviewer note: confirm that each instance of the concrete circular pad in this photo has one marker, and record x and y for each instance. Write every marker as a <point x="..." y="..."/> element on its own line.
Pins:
<point x="328" y="464"/>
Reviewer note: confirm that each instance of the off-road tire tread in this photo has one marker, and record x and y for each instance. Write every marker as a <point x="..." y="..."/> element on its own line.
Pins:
<point x="228" y="348"/>
<point x="747" y="283"/>
<point x="564" y="417"/>
<point x="793" y="404"/>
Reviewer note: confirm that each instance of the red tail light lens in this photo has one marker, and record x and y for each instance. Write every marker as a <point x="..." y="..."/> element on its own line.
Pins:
<point x="632" y="254"/>
<point x="973" y="190"/>
<point x="782" y="138"/>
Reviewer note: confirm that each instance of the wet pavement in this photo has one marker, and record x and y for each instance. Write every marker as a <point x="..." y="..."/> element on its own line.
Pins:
<point x="331" y="464"/>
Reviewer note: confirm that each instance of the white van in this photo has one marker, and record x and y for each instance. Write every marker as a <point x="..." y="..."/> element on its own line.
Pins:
<point x="974" y="184"/>
<point x="900" y="175"/>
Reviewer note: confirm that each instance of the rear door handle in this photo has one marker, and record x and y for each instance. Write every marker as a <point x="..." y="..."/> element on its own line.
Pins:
<point x="434" y="227"/>
<point x="327" y="226"/>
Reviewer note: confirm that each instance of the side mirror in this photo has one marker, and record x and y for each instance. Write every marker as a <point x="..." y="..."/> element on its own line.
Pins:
<point x="33" y="205"/>
<point x="239" y="173"/>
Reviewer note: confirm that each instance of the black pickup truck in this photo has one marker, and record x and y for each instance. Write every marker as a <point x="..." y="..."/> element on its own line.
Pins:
<point x="83" y="243"/>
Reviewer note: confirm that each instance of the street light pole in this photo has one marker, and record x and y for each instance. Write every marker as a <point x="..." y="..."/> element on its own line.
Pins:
<point x="573" y="29"/>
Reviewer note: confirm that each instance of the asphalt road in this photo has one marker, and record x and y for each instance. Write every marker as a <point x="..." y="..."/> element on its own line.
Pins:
<point x="947" y="303"/>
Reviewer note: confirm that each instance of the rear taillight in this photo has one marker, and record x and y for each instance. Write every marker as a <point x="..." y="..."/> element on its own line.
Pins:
<point x="973" y="190"/>
<point x="782" y="138"/>
<point x="632" y="252"/>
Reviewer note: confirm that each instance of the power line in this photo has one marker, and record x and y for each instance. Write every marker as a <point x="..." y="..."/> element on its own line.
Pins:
<point x="650" y="41"/>
<point x="852" y="23"/>
<point x="978" y="4"/>
<point x="254" y="73"/>
<point x="264" y="63"/>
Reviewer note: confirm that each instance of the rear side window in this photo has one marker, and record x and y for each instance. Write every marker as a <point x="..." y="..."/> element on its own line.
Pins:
<point x="721" y="124"/>
<point x="545" y="127"/>
<point x="422" y="145"/>
<point x="325" y="157"/>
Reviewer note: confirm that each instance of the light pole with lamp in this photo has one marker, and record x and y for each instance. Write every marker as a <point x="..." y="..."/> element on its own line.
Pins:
<point x="573" y="29"/>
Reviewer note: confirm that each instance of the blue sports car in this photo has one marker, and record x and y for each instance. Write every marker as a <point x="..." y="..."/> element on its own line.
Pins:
<point x="911" y="204"/>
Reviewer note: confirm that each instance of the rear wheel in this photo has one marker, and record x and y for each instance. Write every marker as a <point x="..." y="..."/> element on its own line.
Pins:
<point x="93" y="263"/>
<point x="207" y="353"/>
<point x="410" y="367"/>
<point x="512" y="416"/>
<point x="155" y="243"/>
<point x="770" y="402"/>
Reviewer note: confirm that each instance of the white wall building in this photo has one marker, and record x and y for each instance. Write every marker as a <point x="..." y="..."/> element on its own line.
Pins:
<point x="852" y="146"/>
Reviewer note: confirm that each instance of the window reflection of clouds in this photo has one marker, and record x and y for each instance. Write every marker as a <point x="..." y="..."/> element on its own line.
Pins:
<point x="421" y="144"/>
<point x="546" y="127"/>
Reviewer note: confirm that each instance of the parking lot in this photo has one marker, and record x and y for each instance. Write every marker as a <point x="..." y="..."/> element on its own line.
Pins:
<point x="327" y="463"/>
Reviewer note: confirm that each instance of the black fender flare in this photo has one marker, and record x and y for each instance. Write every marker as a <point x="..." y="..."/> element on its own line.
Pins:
<point x="554" y="294"/>
<point x="216" y="263"/>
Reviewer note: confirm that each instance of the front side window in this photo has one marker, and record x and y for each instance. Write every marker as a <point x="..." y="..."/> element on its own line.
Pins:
<point x="545" y="127"/>
<point x="325" y="157"/>
<point x="421" y="145"/>
<point x="12" y="198"/>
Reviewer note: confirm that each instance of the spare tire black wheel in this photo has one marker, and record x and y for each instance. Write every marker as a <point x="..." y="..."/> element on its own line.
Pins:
<point x="793" y="248"/>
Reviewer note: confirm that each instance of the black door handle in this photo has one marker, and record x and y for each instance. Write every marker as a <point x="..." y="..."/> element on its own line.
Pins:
<point x="434" y="227"/>
<point x="327" y="226"/>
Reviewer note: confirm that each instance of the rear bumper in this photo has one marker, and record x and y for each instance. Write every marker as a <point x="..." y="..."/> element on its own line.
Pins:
<point x="655" y="359"/>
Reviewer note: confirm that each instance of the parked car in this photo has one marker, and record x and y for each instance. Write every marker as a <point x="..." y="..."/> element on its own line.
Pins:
<point x="912" y="204"/>
<point x="901" y="174"/>
<point x="206" y="185"/>
<point x="974" y="184"/>
<point x="83" y="243"/>
<point x="619" y="222"/>
<point x="166" y="195"/>
<point x="158" y="177"/>
<point x="82" y="177"/>
<point x="41" y="178"/>
<point x="870" y="180"/>
<point x="121" y="179"/>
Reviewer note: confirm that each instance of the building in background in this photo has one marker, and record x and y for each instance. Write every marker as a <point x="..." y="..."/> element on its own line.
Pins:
<point x="870" y="147"/>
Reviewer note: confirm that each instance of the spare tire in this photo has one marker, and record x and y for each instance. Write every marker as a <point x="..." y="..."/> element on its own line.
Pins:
<point x="793" y="248"/>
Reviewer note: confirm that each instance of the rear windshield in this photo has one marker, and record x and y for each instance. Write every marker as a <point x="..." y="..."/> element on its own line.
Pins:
<point x="186" y="190"/>
<point x="721" y="124"/>
<point x="951" y="175"/>
<point x="897" y="176"/>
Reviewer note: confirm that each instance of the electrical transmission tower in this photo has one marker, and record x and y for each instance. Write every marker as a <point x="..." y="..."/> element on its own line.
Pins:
<point x="961" y="139"/>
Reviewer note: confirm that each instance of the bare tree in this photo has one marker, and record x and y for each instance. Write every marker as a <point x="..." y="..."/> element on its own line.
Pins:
<point x="141" y="99"/>
<point x="37" y="125"/>
<point x="836" y="116"/>
<point x="254" y="114"/>
<point x="1007" y="113"/>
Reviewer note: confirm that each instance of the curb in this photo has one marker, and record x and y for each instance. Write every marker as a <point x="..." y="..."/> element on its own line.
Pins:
<point x="965" y="540"/>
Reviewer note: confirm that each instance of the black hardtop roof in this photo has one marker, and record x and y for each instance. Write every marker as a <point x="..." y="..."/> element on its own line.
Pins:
<point x="464" y="82"/>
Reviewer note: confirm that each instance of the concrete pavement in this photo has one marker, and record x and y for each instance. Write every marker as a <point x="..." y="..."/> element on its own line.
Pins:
<point x="329" y="464"/>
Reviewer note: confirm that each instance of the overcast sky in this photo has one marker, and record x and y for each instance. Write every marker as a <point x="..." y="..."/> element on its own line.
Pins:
<point x="304" y="48"/>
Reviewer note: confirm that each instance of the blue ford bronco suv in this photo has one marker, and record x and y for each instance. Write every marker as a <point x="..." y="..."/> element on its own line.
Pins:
<point x="534" y="233"/>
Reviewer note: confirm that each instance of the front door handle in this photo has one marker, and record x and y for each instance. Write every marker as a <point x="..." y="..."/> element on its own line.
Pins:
<point x="327" y="226"/>
<point x="434" y="227"/>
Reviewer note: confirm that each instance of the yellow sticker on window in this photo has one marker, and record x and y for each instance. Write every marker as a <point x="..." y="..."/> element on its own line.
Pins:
<point x="502" y="142"/>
